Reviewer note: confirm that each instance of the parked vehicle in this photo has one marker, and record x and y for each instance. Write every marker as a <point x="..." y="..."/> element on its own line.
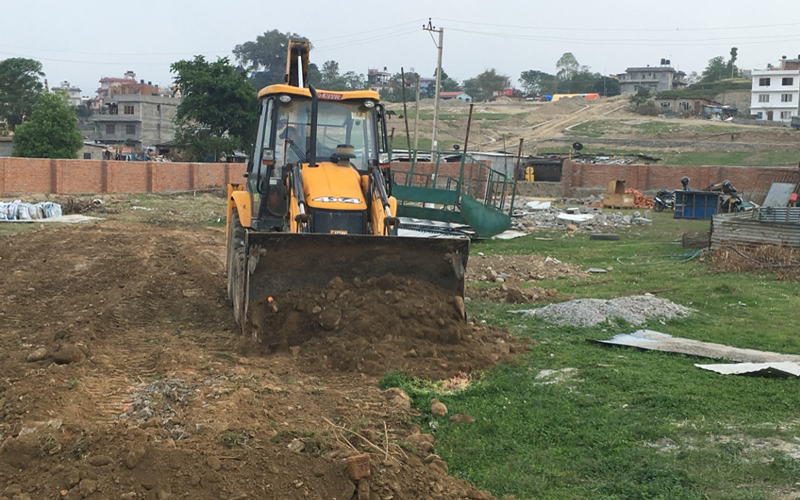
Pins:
<point x="664" y="199"/>
<point x="730" y="200"/>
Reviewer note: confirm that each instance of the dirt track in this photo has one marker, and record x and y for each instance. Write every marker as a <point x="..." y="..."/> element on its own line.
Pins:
<point x="122" y="375"/>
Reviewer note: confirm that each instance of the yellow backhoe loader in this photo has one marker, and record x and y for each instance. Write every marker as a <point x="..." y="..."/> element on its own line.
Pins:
<point x="316" y="203"/>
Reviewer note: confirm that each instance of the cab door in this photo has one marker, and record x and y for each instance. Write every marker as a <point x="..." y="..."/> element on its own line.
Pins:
<point x="263" y="156"/>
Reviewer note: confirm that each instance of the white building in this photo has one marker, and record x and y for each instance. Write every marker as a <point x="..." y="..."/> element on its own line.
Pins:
<point x="73" y="93"/>
<point x="776" y="91"/>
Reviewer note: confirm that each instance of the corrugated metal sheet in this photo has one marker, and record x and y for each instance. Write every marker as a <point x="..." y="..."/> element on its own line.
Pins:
<point x="741" y="229"/>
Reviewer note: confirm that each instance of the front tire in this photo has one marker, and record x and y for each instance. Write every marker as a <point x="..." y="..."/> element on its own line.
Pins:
<point x="236" y="268"/>
<point x="658" y="207"/>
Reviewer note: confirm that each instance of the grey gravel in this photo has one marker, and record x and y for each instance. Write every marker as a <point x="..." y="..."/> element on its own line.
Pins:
<point x="171" y="395"/>
<point x="635" y="309"/>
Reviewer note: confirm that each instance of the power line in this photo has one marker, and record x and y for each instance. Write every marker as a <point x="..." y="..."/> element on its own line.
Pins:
<point x="616" y="30"/>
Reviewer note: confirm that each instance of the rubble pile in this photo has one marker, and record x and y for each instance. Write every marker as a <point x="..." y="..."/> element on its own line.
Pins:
<point x="160" y="400"/>
<point x="531" y="218"/>
<point x="635" y="310"/>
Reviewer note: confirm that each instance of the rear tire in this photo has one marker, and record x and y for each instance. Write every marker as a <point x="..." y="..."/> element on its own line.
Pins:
<point x="658" y="207"/>
<point x="236" y="268"/>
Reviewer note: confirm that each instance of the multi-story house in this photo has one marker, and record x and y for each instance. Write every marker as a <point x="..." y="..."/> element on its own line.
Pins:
<point x="654" y="79"/>
<point x="137" y="120"/>
<point x="775" y="93"/>
<point x="73" y="93"/>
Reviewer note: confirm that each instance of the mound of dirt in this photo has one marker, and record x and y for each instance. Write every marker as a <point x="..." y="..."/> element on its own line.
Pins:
<point x="561" y="107"/>
<point x="510" y="268"/>
<point x="383" y="324"/>
<point x="514" y="294"/>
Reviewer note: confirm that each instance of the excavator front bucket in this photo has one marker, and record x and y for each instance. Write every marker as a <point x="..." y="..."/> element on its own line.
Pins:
<point x="286" y="261"/>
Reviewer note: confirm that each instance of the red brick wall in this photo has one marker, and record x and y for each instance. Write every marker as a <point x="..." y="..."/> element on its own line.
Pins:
<point x="649" y="177"/>
<point x="36" y="175"/>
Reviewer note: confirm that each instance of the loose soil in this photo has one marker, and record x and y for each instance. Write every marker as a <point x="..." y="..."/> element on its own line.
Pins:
<point x="383" y="324"/>
<point x="514" y="294"/>
<point x="122" y="375"/>
<point x="517" y="268"/>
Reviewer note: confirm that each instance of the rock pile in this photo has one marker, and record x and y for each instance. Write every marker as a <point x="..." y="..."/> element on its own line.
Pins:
<point x="635" y="310"/>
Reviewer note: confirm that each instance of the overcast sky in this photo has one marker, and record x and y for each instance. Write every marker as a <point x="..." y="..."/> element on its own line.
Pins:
<point x="85" y="40"/>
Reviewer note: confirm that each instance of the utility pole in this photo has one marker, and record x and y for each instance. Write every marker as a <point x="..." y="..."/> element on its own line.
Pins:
<point x="405" y="109"/>
<point x="432" y="29"/>
<point x="416" y="118"/>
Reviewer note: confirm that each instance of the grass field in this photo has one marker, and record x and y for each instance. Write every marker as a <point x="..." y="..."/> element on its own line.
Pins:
<point x="626" y="423"/>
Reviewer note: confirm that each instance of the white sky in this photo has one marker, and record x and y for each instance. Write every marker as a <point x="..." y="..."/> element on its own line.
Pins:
<point x="85" y="40"/>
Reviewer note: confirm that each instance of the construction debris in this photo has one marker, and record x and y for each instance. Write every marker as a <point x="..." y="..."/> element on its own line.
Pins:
<point x="580" y="218"/>
<point x="732" y="258"/>
<point x="635" y="309"/>
<point x="640" y="200"/>
<point x="656" y="341"/>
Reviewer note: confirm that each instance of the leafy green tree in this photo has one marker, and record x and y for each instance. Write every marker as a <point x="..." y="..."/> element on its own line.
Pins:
<point x="538" y="82"/>
<point x="267" y="53"/>
<point x="608" y="87"/>
<point x="716" y="70"/>
<point x="394" y="91"/>
<point x="218" y="109"/>
<point x="83" y="111"/>
<point x="732" y="61"/>
<point x="692" y="78"/>
<point x="640" y="97"/>
<point x="567" y="66"/>
<point x="50" y="132"/>
<point x="486" y="84"/>
<point x="314" y="75"/>
<point x="20" y="87"/>
<point x="331" y="79"/>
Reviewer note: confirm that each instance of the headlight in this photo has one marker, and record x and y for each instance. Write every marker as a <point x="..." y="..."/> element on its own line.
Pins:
<point x="369" y="104"/>
<point x="285" y="98"/>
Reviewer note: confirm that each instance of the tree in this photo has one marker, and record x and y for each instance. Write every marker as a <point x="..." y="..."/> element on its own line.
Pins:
<point x="50" y="132"/>
<point x="20" y="87"/>
<point x="692" y="78"/>
<point x="538" y="82"/>
<point x="640" y="97"/>
<point x="567" y="66"/>
<point x="607" y="87"/>
<point x="394" y="91"/>
<point x="716" y="70"/>
<point x="486" y="84"/>
<point x="267" y="53"/>
<point x="314" y="75"/>
<point x="732" y="61"/>
<point x="330" y="79"/>
<point x="217" y="113"/>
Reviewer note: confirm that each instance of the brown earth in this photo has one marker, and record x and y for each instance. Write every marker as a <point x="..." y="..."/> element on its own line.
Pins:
<point x="383" y="324"/>
<point x="514" y="294"/>
<point x="122" y="375"/>
<point x="517" y="268"/>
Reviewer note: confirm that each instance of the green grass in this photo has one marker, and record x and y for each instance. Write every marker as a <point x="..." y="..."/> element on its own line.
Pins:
<point x="594" y="434"/>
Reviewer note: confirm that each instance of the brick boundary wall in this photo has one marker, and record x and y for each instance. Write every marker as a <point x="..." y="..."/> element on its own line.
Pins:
<point x="576" y="177"/>
<point x="41" y="175"/>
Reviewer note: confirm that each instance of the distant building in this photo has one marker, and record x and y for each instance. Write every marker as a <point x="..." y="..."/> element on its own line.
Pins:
<point x="73" y="93"/>
<point x="775" y="92"/>
<point x="6" y="146"/>
<point x="462" y="96"/>
<point x="94" y="151"/>
<point x="654" y="79"/>
<point x="378" y="79"/>
<point x="137" y="120"/>
<point x="683" y="105"/>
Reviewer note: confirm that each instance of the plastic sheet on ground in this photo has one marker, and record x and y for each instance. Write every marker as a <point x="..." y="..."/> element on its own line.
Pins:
<point x="18" y="210"/>
<point x="779" y="369"/>
<point x="509" y="235"/>
<point x="656" y="341"/>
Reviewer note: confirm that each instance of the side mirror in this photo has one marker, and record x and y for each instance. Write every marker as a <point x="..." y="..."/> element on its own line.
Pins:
<point x="267" y="155"/>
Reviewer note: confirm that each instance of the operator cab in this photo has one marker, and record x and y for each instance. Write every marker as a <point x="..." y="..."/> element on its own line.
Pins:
<point x="348" y="131"/>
